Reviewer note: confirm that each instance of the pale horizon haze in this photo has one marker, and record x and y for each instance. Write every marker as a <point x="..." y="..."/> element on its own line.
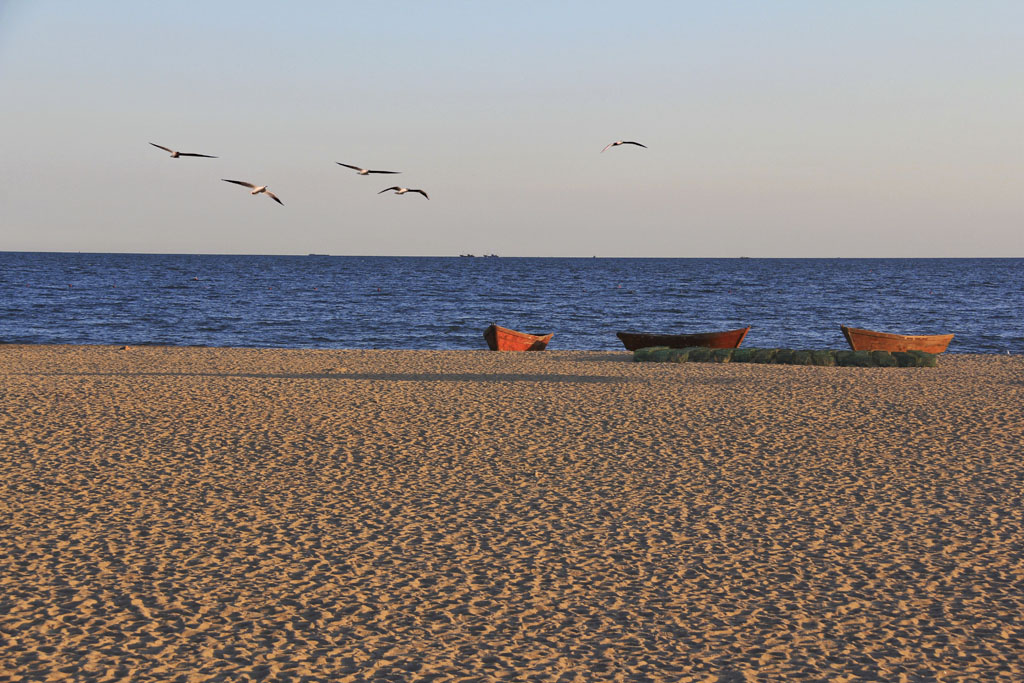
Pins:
<point x="773" y="129"/>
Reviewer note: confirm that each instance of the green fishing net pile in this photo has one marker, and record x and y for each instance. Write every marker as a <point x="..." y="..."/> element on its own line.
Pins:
<point x="857" y="359"/>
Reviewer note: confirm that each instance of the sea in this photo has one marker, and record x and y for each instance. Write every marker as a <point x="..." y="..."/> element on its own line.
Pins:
<point x="381" y="302"/>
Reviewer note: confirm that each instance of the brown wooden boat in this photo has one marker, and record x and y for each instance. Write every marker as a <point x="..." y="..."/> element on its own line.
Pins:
<point x="504" y="339"/>
<point x="869" y="340"/>
<point x="730" y="339"/>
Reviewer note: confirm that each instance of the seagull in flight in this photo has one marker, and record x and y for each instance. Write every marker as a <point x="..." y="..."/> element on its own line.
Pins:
<point x="623" y="142"/>
<point x="256" y="189"/>
<point x="402" y="190"/>
<point x="175" y="154"/>
<point x="363" y="171"/>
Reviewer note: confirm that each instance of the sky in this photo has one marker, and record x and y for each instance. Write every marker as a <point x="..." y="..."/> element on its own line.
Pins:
<point x="773" y="129"/>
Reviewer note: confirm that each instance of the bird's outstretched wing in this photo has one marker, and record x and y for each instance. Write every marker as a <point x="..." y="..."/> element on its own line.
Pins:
<point x="610" y="144"/>
<point x="189" y="154"/>
<point x="354" y="168"/>
<point x="383" y="171"/>
<point x="421" y="192"/>
<point x="162" y="147"/>
<point x="396" y="187"/>
<point x="273" y="196"/>
<point x="239" y="182"/>
<point x="627" y="142"/>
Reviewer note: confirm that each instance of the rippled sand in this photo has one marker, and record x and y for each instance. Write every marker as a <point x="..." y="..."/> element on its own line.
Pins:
<point x="213" y="514"/>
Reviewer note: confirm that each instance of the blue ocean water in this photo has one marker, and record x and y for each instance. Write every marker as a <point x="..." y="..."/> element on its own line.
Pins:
<point x="445" y="303"/>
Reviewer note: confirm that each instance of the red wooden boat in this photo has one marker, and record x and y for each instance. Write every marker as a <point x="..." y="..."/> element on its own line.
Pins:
<point x="869" y="340"/>
<point x="730" y="339"/>
<point x="504" y="339"/>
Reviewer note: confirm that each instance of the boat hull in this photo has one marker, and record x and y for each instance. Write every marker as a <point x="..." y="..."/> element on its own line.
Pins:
<point x="869" y="340"/>
<point x="729" y="339"/>
<point x="504" y="339"/>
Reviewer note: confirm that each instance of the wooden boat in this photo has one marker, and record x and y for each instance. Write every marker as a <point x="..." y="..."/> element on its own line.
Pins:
<point x="504" y="339"/>
<point x="869" y="340"/>
<point x="730" y="339"/>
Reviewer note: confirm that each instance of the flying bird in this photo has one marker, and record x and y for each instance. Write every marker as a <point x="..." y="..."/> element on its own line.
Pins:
<point x="363" y="171"/>
<point x="256" y="189"/>
<point x="175" y="154"/>
<point x="623" y="142"/>
<point x="402" y="190"/>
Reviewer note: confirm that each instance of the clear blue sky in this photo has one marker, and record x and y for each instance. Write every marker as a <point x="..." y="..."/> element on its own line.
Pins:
<point x="773" y="128"/>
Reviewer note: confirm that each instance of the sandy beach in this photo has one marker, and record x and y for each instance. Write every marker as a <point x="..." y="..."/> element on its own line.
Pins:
<point x="200" y="514"/>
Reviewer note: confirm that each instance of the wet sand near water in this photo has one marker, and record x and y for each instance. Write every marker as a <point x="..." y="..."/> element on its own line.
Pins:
<point x="199" y="514"/>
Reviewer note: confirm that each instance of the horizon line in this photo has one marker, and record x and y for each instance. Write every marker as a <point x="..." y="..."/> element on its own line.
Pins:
<point x="486" y="256"/>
